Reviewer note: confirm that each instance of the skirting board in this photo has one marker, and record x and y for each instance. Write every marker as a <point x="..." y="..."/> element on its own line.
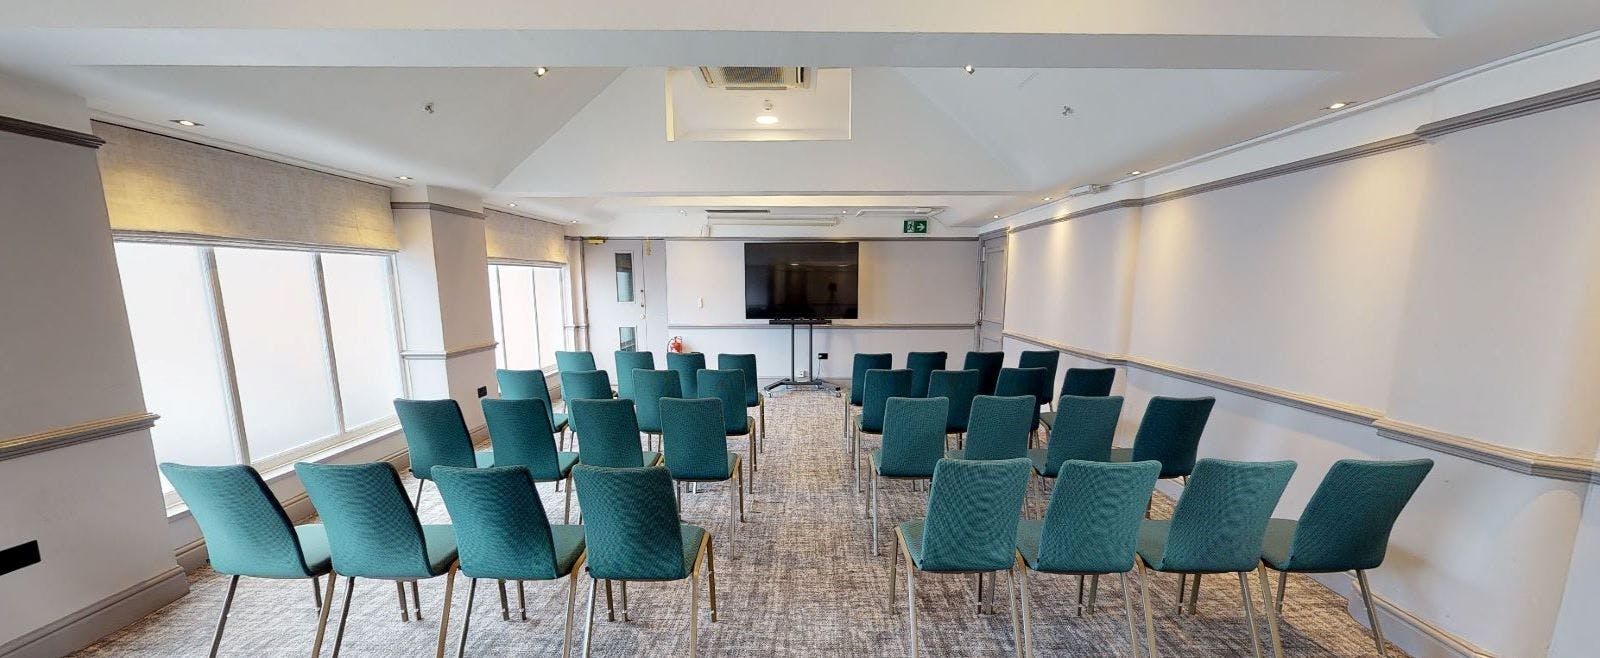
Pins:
<point x="1416" y="636"/>
<point x="84" y="627"/>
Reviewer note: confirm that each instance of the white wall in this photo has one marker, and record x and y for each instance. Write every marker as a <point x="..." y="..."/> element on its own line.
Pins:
<point x="1449" y="285"/>
<point x="905" y="286"/>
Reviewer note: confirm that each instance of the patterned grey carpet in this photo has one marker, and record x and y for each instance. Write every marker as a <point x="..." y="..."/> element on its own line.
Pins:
<point x="803" y="584"/>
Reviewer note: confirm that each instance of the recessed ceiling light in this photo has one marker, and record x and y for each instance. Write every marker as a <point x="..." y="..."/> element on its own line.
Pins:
<point x="511" y="205"/>
<point x="997" y="217"/>
<point x="1135" y="172"/>
<point x="188" y="123"/>
<point x="539" y="72"/>
<point x="1048" y="198"/>
<point x="969" y="69"/>
<point x="1338" y="105"/>
<point x="403" y="177"/>
<point x="766" y="119"/>
<point x="574" y="221"/>
<point x="844" y="212"/>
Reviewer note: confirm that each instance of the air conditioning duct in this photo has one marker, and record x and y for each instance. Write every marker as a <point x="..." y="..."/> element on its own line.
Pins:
<point x="756" y="78"/>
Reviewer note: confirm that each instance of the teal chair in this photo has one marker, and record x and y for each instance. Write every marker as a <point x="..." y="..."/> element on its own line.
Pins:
<point x="1024" y="381"/>
<point x="1090" y="528"/>
<point x="575" y="361"/>
<point x="859" y="365"/>
<point x="501" y="533"/>
<point x="373" y="533"/>
<point x="1217" y="527"/>
<point x="531" y="385"/>
<point x="988" y="365"/>
<point x="728" y="386"/>
<point x="879" y="386"/>
<point x="960" y="387"/>
<point x="686" y="364"/>
<point x="922" y="365"/>
<point x="1087" y="427"/>
<point x="1082" y="382"/>
<point x="608" y="435"/>
<point x="436" y="435"/>
<point x="746" y="363"/>
<point x="913" y="443"/>
<point x="585" y="385"/>
<point x="1345" y="526"/>
<point x="1047" y="359"/>
<point x="998" y="429"/>
<point x="1169" y="433"/>
<point x="695" y="449"/>
<point x="970" y="528"/>
<point x="627" y="362"/>
<point x="633" y="534"/>
<point x="247" y="532"/>
<point x="521" y="433"/>
<point x="650" y="386"/>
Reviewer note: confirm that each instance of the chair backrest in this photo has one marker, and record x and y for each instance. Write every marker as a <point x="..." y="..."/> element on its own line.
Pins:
<point x="973" y="508"/>
<point x="745" y="363"/>
<point x="880" y="386"/>
<point x="999" y="427"/>
<point x="372" y="530"/>
<point x="1170" y="433"/>
<point x="694" y="437"/>
<point x="1347" y="523"/>
<point x="1092" y="524"/>
<point x="575" y="361"/>
<point x="436" y="435"/>
<point x="585" y="385"/>
<point x="247" y="533"/>
<point x="921" y="365"/>
<point x="627" y="362"/>
<point x="1084" y="430"/>
<point x="499" y="522"/>
<point x="1088" y="382"/>
<point x="1047" y="359"/>
<point x="858" y="372"/>
<point x="686" y="364"/>
<point x="727" y="386"/>
<point x="526" y="385"/>
<point x="1023" y="381"/>
<point x="630" y="523"/>
<point x="913" y="436"/>
<point x="608" y="433"/>
<point x="1222" y="516"/>
<point x="520" y="433"/>
<point x="988" y="365"/>
<point x="649" y="386"/>
<point x="958" y="386"/>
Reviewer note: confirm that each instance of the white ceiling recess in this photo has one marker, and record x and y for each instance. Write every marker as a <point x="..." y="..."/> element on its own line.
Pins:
<point x="813" y="105"/>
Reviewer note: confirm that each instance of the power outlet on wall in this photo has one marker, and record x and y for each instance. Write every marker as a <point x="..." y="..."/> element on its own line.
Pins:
<point x="483" y="391"/>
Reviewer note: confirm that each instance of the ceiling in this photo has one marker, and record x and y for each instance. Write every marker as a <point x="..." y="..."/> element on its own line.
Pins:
<point x="344" y="87"/>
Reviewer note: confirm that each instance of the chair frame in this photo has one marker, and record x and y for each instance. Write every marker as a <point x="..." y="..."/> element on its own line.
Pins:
<point x="734" y="492"/>
<point x="472" y="591"/>
<point x="903" y="549"/>
<point x="704" y="558"/>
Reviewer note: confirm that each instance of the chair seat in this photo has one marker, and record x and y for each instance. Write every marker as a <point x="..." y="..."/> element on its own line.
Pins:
<point x="691" y="544"/>
<point x="741" y="431"/>
<point x="484" y="458"/>
<point x="955" y="454"/>
<point x="561" y="422"/>
<point x="733" y="461"/>
<point x="866" y="430"/>
<point x="314" y="545"/>
<point x="877" y="465"/>
<point x="650" y="458"/>
<point x="568" y="542"/>
<point x="1030" y="534"/>
<point x="564" y="463"/>
<point x="912" y="531"/>
<point x="1153" y="545"/>
<point x="1041" y="462"/>
<point x="1275" y="546"/>
<point x="440" y="544"/>
<point x="1047" y="418"/>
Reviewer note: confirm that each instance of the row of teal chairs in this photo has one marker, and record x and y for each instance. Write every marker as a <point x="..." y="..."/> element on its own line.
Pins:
<point x="581" y="379"/>
<point x="1095" y="525"/>
<point x="499" y="531"/>
<point x="988" y="366"/>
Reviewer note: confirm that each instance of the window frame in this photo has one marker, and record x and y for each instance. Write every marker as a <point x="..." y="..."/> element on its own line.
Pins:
<point x="345" y="434"/>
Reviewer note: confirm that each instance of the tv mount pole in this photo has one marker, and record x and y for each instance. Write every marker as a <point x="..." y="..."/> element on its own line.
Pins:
<point x="811" y="382"/>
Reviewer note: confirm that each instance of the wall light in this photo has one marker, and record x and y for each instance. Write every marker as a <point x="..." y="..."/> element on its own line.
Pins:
<point x="539" y="72"/>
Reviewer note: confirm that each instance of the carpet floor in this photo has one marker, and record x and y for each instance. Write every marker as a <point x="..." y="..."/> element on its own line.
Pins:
<point x="800" y="581"/>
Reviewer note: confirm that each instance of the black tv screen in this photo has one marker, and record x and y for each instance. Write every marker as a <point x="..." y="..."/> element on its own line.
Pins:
<point x="801" y="280"/>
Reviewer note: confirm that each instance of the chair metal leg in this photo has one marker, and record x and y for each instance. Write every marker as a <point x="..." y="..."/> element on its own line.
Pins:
<point x="416" y="601"/>
<point x="1194" y="594"/>
<point x="872" y="498"/>
<point x="1080" y="596"/>
<point x="624" y="586"/>
<point x="322" y="617"/>
<point x="1249" y="613"/>
<point x="611" y="611"/>
<point x="980" y="593"/>
<point x="505" y="608"/>
<point x="522" y="601"/>
<point x="572" y="599"/>
<point x="1127" y="608"/>
<point x="750" y="424"/>
<point x="911" y="606"/>
<point x="400" y="590"/>
<point x="344" y="614"/>
<point x="417" y="504"/>
<point x="1272" y="615"/>
<point x="753" y="465"/>
<point x="694" y="615"/>
<point x="316" y="591"/>
<point x="444" y="615"/>
<point x="894" y="557"/>
<point x="733" y="523"/>
<point x="222" y="620"/>
<point x="1372" y="614"/>
<point x="1011" y="605"/>
<point x="1183" y="587"/>
<point x="761" y="410"/>
<point x="1027" y="611"/>
<point x="711" y="576"/>
<point x="466" y="618"/>
<point x="739" y="487"/>
<point x="566" y="512"/>
<point x="588" y="627"/>
<point x="1144" y="602"/>
<point x="1283" y="586"/>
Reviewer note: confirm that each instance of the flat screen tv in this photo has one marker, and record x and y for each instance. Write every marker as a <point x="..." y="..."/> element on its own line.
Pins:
<point x="801" y="280"/>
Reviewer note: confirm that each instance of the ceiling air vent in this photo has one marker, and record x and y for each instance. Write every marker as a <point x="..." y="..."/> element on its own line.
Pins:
<point x="756" y="78"/>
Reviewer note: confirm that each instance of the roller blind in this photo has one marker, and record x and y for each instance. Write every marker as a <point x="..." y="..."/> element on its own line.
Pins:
<point x="160" y="185"/>
<point x="512" y="238"/>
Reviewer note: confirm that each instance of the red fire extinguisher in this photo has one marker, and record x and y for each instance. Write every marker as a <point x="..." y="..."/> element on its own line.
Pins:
<point x="676" y="344"/>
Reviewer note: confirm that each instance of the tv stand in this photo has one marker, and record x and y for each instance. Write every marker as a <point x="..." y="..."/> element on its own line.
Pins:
<point x="811" y="382"/>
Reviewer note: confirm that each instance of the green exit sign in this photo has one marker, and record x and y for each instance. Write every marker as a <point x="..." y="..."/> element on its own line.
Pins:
<point x="915" y="226"/>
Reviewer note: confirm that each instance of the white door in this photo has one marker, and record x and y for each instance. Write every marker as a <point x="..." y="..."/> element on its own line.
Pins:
<point x="616" y="298"/>
<point x="992" y="305"/>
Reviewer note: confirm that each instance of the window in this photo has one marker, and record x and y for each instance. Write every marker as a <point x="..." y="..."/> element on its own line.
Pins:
<point x="624" y="276"/>
<point x="525" y="304"/>
<point x="260" y="356"/>
<point x="627" y="339"/>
